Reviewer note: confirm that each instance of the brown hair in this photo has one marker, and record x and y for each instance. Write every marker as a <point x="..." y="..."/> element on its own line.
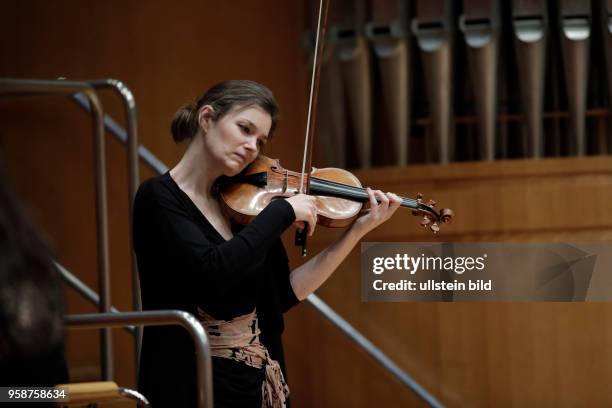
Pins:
<point x="223" y="97"/>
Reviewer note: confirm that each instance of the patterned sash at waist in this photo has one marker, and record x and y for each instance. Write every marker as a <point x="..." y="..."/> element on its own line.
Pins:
<point x="238" y="339"/>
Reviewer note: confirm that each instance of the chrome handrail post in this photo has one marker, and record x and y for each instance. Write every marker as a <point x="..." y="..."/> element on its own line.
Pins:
<point x="102" y="241"/>
<point x="129" y="104"/>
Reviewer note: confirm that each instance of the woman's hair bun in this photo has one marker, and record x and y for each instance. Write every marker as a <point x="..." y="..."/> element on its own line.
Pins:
<point x="222" y="98"/>
<point x="184" y="124"/>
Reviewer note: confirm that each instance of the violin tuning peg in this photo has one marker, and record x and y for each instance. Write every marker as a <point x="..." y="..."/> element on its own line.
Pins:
<point x="431" y="203"/>
<point x="434" y="227"/>
<point x="425" y="221"/>
<point x="419" y="196"/>
<point x="446" y="215"/>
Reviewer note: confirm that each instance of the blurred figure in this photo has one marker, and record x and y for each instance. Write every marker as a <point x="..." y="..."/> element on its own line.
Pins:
<point x="31" y="302"/>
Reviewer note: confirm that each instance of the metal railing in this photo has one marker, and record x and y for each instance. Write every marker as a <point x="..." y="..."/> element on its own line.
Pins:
<point x="159" y="318"/>
<point x="123" y="136"/>
<point x="141" y="400"/>
<point x="88" y="293"/>
<point x="373" y="351"/>
<point x="131" y="139"/>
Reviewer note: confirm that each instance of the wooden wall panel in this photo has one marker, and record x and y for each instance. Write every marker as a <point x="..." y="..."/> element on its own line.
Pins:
<point x="471" y="354"/>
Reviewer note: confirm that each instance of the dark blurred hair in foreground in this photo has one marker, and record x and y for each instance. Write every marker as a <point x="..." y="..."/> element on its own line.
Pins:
<point x="31" y="301"/>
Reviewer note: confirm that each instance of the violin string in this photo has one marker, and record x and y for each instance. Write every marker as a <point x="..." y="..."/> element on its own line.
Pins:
<point x="407" y="201"/>
<point x="410" y="202"/>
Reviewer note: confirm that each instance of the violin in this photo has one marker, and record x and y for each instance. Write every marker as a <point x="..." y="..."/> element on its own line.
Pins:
<point x="340" y="195"/>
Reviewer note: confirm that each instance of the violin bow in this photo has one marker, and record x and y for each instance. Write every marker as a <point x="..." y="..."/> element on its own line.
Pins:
<point x="301" y="235"/>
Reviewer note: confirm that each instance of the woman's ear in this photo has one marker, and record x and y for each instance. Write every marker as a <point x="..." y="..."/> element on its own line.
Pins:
<point x="205" y="117"/>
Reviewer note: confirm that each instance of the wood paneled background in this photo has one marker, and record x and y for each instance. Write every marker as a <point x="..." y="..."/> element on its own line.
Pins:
<point x="495" y="354"/>
<point x="469" y="354"/>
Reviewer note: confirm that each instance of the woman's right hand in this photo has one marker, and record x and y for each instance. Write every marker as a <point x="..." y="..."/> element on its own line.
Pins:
<point x="305" y="209"/>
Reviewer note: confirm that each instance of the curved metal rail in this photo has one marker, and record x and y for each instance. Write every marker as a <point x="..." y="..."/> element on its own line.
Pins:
<point x="373" y="351"/>
<point x="140" y="399"/>
<point x="129" y="105"/>
<point x="87" y="292"/>
<point x="159" y="318"/>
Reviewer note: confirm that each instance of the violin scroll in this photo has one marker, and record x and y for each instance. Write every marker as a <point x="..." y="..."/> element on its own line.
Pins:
<point x="432" y="218"/>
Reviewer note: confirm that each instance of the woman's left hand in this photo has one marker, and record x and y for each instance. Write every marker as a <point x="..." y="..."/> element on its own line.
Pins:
<point x="382" y="207"/>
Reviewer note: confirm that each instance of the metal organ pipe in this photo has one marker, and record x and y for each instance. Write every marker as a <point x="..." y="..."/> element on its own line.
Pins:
<point x="388" y="34"/>
<point x="529" y="20"/>
<point x="348" y="19"/>
<point x="575" y="23"/>
<point x="432" y="28"/>
<point x="480" y="26"/>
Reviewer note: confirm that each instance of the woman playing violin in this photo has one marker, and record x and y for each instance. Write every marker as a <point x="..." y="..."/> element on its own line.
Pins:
<point x="236" y="280"/>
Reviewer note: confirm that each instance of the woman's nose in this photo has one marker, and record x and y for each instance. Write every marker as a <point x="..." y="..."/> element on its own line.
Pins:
<point x="252" y="143"/>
